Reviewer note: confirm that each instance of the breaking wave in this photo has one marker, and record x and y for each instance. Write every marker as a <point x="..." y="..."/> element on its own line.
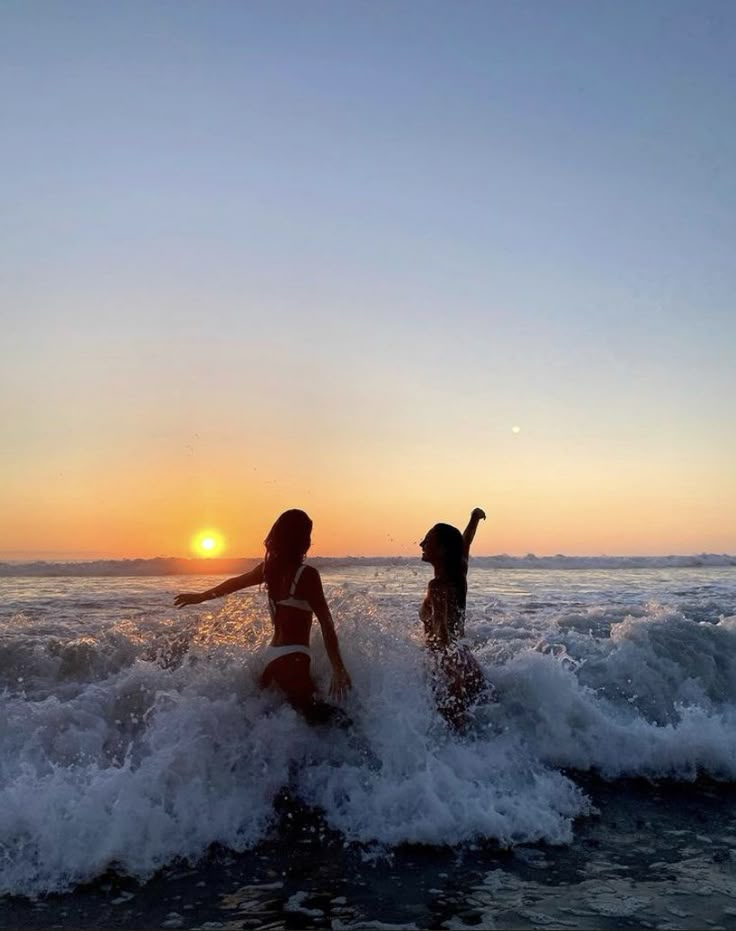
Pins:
<point x="132" y="735"/>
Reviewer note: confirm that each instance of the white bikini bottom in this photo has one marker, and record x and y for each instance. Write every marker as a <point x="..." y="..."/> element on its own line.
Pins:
<point x="272" y="653"/>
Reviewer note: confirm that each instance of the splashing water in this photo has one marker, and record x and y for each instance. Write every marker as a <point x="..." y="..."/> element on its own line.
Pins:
<point x="132" y="734"/>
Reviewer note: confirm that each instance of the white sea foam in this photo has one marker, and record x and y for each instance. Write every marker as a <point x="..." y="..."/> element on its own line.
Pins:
<point x="136" y="735"/>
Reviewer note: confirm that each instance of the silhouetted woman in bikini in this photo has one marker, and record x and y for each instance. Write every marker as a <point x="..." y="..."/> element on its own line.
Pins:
<point x="294" y="593"/>
<point x="458" y="679"/>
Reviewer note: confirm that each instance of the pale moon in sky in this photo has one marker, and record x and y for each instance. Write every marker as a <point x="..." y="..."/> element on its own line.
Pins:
<point x="516" y="429"/>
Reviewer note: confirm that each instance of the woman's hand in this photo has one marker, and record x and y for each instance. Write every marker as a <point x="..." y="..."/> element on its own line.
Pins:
<point x="478" y="514"/>
<point x="188" y="598"/>
<point x="340" y="684"/>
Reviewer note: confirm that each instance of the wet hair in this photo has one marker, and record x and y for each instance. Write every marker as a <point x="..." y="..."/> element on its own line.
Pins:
<point x="453" y="558"/>
<point x="286" y="545"/>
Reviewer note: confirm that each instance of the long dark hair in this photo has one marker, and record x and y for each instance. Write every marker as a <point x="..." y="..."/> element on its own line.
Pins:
<point x="286" y="546"/>
<point x="453" y="559"/>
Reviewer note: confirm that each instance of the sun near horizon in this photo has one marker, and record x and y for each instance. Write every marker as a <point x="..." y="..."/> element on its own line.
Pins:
<point x="208" y="543"/>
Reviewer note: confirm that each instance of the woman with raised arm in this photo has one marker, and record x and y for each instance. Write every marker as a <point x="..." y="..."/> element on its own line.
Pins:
<point x="458" y="679"/>
<point x="294" y="594"/>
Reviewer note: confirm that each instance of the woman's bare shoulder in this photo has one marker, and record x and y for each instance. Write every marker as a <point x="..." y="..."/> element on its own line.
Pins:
<point x="311" y="576"/>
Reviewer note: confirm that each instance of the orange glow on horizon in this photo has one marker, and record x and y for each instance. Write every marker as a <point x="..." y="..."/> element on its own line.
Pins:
<point x="537" y="499"/>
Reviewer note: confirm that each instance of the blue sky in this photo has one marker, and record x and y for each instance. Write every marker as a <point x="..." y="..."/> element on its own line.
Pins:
<point x="385" y="232"/>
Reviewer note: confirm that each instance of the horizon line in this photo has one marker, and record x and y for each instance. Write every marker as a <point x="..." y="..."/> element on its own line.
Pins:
<point x="31" y="558"/>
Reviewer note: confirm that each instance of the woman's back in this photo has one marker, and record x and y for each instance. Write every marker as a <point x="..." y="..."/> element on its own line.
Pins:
<point x="291" y="611"/>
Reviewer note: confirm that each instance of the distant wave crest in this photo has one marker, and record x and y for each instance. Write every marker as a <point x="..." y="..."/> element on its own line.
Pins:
<point x="161" y="566"/>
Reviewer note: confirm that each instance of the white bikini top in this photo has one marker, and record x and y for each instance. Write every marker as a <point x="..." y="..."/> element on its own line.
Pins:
<point x="291" y="602"/>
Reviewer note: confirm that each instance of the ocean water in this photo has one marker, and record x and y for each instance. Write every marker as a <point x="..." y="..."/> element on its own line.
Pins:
<point x="138" y="755"/>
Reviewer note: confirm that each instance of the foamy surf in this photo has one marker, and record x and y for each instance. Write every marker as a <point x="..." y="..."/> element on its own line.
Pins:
<point x="133" y="741"/>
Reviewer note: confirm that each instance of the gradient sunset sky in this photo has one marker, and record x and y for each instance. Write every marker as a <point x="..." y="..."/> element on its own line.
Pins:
<point x="259" y="255"/>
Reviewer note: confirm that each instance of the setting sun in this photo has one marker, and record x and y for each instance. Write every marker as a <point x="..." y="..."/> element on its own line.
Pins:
<point x="208" y="543"/>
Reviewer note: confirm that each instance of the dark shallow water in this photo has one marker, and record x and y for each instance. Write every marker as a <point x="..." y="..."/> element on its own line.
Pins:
<point x="656" y="855"/>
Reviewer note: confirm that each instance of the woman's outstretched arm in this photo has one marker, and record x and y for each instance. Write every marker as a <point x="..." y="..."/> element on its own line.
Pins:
<point x="254" y="577"/>
<point x="476" y="517"/>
